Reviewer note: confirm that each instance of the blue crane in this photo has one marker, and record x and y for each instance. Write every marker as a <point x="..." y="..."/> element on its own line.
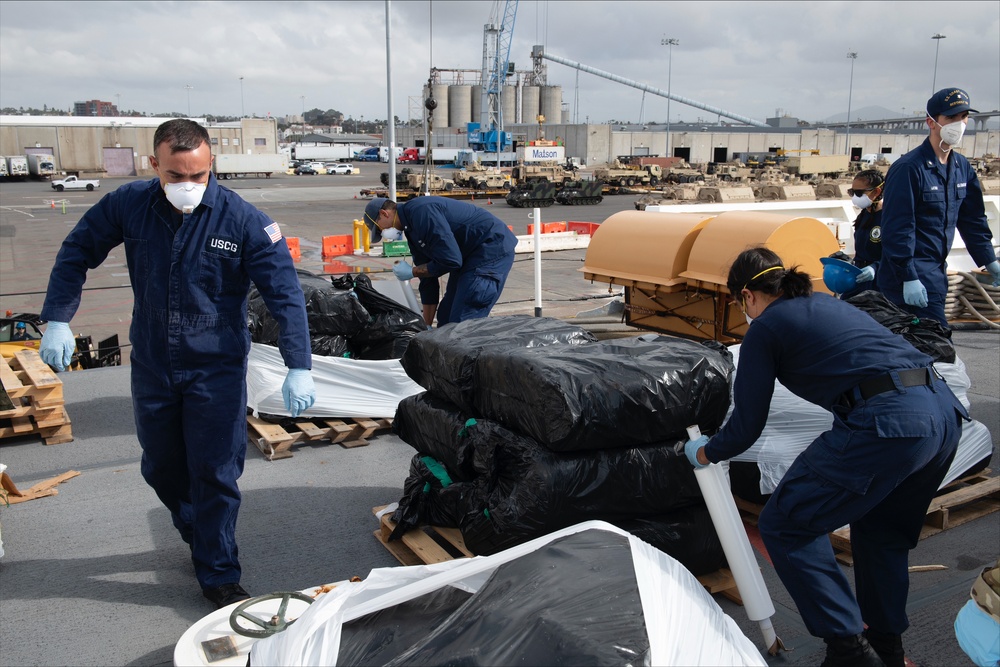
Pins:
<point x="488" y="135"/>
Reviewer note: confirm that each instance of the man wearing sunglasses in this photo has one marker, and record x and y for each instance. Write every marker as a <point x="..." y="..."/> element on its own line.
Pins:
<point x="929" y="193"/>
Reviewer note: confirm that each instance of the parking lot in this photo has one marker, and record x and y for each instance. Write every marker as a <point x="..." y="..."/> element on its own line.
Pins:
<point x="34" y="220"/>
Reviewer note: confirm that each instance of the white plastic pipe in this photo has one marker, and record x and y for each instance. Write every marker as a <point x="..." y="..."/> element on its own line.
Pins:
<point x="537" y="235"/>
<point x="736" y="545"/>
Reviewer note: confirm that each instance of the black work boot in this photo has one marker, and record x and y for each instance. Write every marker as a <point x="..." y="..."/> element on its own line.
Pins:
<point x="889" y="647"/>
<point x="852" y="651"/>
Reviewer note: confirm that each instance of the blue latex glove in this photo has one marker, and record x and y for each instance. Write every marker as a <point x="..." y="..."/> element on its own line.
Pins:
<point x="57" y="346"/>
<point x="298" y="390"/>
<point x="691" y="450"/>
<point x="994" y="269"/>
<point x="867" y="275"/>
<point x="403" y="271"/>
<point x="915" y="294"/>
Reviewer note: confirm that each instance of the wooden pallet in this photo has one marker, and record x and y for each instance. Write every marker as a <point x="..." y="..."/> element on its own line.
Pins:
<point x="275" y="442"/>
<point x="964" y="500"/>
<point x="425" y="545"/>
<point x="35" y="403"/>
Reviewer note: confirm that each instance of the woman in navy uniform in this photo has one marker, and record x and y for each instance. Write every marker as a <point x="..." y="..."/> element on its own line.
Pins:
<point x="896" y="425"/>
<point x="866" y="193"/>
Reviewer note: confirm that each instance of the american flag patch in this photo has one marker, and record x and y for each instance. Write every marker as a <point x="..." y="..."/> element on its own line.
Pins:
<point x="274" y="232"/>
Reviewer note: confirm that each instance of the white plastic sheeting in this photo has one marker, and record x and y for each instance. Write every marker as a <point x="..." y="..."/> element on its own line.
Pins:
<point x="344" y="387"/>
<point x="793" y="423"/>
<point x="684" y="624"/>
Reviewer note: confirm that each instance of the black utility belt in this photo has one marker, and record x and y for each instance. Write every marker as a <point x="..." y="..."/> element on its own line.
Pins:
<point x="914" y="377"/>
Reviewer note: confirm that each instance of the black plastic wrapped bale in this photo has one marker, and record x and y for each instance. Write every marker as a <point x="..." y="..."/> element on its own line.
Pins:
<point x="432" y="425"/>
<point x="687" y="534"/>
<point x="573" y="602"/>
<point x="611" y="394"/>
<point x="392" y="325"/>
<point x="332" y="312"/>
<point x="525" y="490"/>
<point x="927" y="335"/>
<point x="430" y="497"/>
<point x="379" y="637"/>
<point x="443" y="360"/>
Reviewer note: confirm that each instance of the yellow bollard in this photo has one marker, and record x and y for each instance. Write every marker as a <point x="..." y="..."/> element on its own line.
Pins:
<point x="64" y="206"/>
<point x="362" y="238"/>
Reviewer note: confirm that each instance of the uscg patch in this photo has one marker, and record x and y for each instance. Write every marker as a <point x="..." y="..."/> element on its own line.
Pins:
<point x="875" y="235"/>
<point x="221" y="246"/>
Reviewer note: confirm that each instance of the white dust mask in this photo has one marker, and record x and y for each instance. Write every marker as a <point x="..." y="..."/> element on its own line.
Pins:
<point x="952" y="133"/>
<point x="864" y="201"/>
<point x="392" y="234"/>
<point x="185" y="197"/>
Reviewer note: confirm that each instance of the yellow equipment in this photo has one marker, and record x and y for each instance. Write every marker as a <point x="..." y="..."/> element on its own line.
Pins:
<point x="674" y="265"/>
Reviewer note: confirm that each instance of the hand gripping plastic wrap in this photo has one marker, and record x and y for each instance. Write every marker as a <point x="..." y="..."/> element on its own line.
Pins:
<point x="929" y="336"/>
<point x="443" y="360"/>
<point x="539" y="603"/>
<point x="611" y="394"/>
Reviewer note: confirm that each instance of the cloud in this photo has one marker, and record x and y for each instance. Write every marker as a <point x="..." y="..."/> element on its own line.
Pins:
<point x="750" y="58"/>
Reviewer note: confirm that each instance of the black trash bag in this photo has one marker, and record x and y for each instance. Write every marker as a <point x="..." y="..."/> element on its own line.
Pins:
<point x="686" y="534"/>
<point x="330" y="346"/>
<point x="392" y="326"/>
<point x="331" y="311"/>
<point x="525" y="490"/>
<point x="620" y="393"/>
<point x="547" y="608"/>
<point x="433" y="426"/>
<point x="430" y="497"/>
<point x="381" y="636"/>
<point x="927" y="335"/>
<point x="442" y="360"/>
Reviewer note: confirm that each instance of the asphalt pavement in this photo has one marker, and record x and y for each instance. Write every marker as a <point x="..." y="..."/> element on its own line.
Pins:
<point x="96" y="575"/>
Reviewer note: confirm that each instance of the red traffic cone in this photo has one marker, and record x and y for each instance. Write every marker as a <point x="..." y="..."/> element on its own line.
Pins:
<point x="489" y="201"/>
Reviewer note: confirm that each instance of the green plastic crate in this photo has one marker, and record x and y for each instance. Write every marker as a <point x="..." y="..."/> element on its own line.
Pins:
<point x="395" y="248"/>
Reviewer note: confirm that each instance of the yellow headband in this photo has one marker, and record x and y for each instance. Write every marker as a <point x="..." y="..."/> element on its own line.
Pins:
<point x="773" y="268"/>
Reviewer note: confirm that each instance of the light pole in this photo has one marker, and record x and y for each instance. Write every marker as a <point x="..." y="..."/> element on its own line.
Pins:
<point x="852" y="55"/>
<point x="670" y="43"/>
<point x="937" y="37"/>
<point x="243" y="109"/>
<point x="303" y="98"/>
<point x="189" y="88"/>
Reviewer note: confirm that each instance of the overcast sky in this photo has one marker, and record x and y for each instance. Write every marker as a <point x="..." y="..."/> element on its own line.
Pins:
<point x="749" y="58"/>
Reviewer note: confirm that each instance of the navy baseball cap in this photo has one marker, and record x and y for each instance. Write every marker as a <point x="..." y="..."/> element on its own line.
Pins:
<point x="371" y="215"/>
<point x="949" y="102"/>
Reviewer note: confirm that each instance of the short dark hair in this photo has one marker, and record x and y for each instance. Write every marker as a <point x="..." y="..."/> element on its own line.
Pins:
<point x="180" y="134"/>
<point x="759" y="269"/>
<point x="388" y="205"/>
<point x="873" y="177"/>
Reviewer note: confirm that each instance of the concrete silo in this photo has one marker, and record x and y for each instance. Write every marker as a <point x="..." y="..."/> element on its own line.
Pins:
<point x="530" y="104"/>
<point x="551" y="104"/>
<point x="477" y="104"/>
<point x="440" y="94"/>
<point x="459" y="106"/>
<point x="509" y="103"/>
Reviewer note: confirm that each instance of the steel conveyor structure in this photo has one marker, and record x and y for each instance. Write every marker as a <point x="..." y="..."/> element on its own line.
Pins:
<point x="538" y="53"/>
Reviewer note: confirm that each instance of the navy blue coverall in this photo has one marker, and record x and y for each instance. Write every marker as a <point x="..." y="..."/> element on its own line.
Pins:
<point x="867" y="246"/>
<point x="471" y="244"/>
<point x="925" y="201"/>
<point x="876" y="469"/>
<point x="190" y="280"/>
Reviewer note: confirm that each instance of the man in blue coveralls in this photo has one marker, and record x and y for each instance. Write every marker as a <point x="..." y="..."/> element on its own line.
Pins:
<point x="929" y="192"/>
<point x="470" y="244"/>
<point x="192" y="248"/>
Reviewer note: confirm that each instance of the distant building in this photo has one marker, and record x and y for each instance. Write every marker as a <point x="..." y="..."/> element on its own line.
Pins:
<point x="783" y="121"/>
<point x="94" y="108"/>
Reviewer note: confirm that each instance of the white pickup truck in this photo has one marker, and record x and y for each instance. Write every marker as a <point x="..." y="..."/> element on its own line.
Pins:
<point x="74" y="183"/>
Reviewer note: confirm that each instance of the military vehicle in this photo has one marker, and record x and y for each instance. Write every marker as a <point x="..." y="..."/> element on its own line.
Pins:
<point x="580" y="193"/>
<point x="535" y="194"/>
<point x="476" y="176"/>
<point x="531" y="172"/>
<point x="625" y="175"/>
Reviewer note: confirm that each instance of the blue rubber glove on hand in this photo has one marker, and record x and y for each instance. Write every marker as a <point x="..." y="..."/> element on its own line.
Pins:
<point x="867" y="275"/>
<point x="691" y="450"/>
<point x="299" y="391"/>
<point x="994" y="269"/>
<point x="57" y="346"/>
<point x="915" y="294"/>
<point x="403" y="271"/>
